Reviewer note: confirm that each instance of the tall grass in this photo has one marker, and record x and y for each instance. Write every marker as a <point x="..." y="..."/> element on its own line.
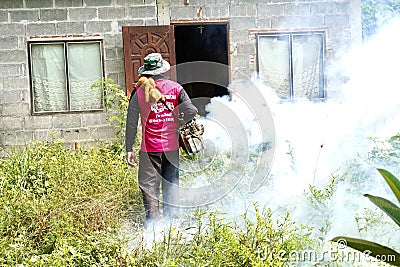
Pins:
<point x="61" y="207"/>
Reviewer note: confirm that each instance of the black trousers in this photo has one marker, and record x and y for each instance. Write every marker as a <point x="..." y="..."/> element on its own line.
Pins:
<point x="155" y="169"/>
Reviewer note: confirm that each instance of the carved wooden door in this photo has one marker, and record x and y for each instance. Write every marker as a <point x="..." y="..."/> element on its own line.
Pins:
<point x="139" y="41"/>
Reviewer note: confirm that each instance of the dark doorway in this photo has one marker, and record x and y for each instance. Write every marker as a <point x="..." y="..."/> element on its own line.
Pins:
<point x="202" y="61"/>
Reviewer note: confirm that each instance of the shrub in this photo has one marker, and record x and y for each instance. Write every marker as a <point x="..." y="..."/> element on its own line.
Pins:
<point x="258" y="240"/>
<point x="64" y="207"/>
<point x="381" y="252"/>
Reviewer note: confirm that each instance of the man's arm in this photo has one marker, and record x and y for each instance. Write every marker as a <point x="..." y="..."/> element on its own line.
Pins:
<point x="186" y="106"/>
<point x="131" y="123"/>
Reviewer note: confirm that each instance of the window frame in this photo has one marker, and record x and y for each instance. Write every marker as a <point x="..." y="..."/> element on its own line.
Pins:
<point x="290" y="34"/>
<point x="65" y="41"/>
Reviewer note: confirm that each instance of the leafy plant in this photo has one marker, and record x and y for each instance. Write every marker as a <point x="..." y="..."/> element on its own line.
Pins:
<point x="381" y="252"/>
<point x="257" y="240"/>
<point x="117" y="103"/>
<point x="62" y="207"/>
<point x="376" y="12"/>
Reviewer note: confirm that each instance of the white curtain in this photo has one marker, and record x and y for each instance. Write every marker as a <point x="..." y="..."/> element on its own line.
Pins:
<point x="48" y="76"/>
<point x="274" y="64"/>
<point x="84" y="66"/>
<point x="273" y="55"/>
<point x="306" y="66"/>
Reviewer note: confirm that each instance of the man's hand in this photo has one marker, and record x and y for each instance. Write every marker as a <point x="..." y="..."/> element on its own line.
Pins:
<point x="131" y="159"/>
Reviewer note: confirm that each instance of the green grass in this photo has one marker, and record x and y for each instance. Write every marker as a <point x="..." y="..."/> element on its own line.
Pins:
<point x="63" y="207"/>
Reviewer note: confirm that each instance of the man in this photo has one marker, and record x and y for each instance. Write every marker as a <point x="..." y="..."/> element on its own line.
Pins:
<point x="159" y="151"/>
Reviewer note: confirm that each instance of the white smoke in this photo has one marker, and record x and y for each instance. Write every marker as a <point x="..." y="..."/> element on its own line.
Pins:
<point x="315" y="140"/>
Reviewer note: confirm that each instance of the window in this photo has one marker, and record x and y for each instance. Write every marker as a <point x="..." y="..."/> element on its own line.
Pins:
<point x="62" y="73"/>
<point x="292" y="63"/>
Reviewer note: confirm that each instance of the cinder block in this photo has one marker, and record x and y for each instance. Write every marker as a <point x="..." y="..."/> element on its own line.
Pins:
<point x="82" y="14"/>
<point x="319" y="8"/>
<point x="269" y="10"/>
<point x="238" y="35"/>
<point x="183" y="12"/>
<point x="264" y="23"/>
<point x="44" y="135"/>
<point x="28" y="15"/>
<point x="10" y="70"/>
<point x="74" y="135"/>
<point x="142" y="12"/>
<point x="98" y="26"/>
<point x="98" y="2"/>
<point x="13" y="83"/>
<point x="33" y="29"/>
<point x="337" y="20"/>
<point x="37" y="122"/>
<point x="243" y="23"/>
<point x="3" y="16"/>
<point x="110" y="53"/>
<point x="53" y="14"/>
<point x="8" y="4"/>
<point x="114" y="76"/>
<point x="112" y="40"/>
<point x="6" y="136"/>
<point x="296" y="9"/>
<point x="10" y="97"/>
<point x="9" y="43"/>
<point x="150" y="22"/>
<point x="343" y="8"/>
<point x="68" y="3"/>
<point x="70" y="28"/>
<point x="13" y="56"/>
<point x="286" y="22"/>
<point x="15" y="109"/>
<point x="12" y="123"/>
<point x="114" y="66"/>
<point x="111" y="12"/>
<point x="132" y="22"/>
<point x="102" y="132"/>
<point x="216" y="11"/>
<point x="246" y="48"/>
<point x="120" y="52"/>
<point x="13" y="29"/>
<point x="95" y="119"/>
<point x="39" y="3"/>
<point x="251" y="10"/>
<point x="23" y="137"/>
<point x="237" y="10"/>
<point x="66" y="121"/>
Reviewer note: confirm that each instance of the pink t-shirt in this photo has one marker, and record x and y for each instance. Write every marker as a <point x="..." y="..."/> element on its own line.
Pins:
<point x="159" y="128"/>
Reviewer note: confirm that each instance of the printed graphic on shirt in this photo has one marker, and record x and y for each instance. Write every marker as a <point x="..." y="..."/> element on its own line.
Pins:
<point x="159" y="107"/>
<point x="160" y="115"/>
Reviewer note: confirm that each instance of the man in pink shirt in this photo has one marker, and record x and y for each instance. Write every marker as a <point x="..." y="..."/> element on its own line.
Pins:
<point x="159" y="151"/>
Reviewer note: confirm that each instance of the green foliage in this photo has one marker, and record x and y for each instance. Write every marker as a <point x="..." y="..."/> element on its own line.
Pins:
<point x="63" y="208"/>
<point x="321" y="202"/>
<point x="393" y="211"/>
<point x="375" y="13"/>
<point x="259" y="240"/>
<point x="117" y="103"/>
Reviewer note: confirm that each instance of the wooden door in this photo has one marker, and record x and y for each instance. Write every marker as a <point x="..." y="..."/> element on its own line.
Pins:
<point x="139" y="41"/>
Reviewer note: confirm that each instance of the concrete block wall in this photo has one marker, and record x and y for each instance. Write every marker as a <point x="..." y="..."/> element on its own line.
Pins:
<point x="246" y="17"/>
<point x="23" y="19"/>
